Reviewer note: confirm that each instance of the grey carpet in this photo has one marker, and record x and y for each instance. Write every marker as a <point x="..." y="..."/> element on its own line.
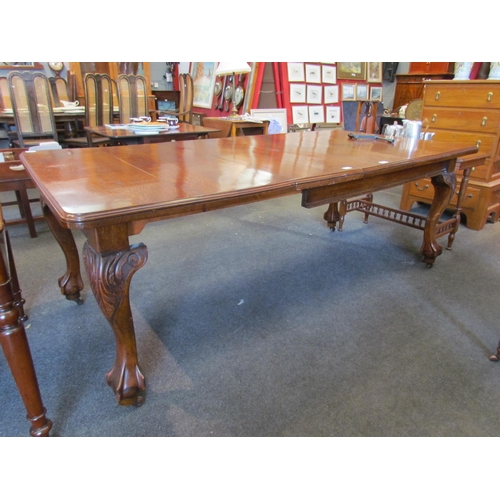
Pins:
<point x="259" y="321"/>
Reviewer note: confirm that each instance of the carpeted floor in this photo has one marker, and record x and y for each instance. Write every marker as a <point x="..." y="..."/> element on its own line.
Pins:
<point x="259" y="321"/>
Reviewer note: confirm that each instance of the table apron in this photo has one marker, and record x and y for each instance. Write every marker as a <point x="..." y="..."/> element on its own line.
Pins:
<point x="322" y="195"/>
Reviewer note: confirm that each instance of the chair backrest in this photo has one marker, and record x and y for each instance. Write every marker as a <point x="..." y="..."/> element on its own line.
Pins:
<point x="98" y="99"/>
<point x="59" y="88"/>
<point x="186" y="98"/>
<point x="32" y="105"/>
<point x="132" y="90"/>
<point x="5" y="102"/>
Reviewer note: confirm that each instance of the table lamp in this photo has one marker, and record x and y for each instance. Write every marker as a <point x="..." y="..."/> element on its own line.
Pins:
<point x="232" y="68"/>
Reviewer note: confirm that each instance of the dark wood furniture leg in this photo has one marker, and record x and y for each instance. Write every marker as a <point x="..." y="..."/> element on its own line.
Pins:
<point x="71" y="282"/>
<point x="444" y="187"/>
<point x="17" y="352"/>
<point x="110" y="263"/>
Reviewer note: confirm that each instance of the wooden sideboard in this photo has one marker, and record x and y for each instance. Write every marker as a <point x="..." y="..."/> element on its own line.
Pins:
<point x="411" y="86"/>
<point x="466" y="112"/>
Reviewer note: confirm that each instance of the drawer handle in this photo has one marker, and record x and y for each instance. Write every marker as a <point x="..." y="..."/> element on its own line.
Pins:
<point x="483" y="122"/>
<point x="421" y="189"/>
<point x="478" y="143"/>
<point x="490" y="95"/>
<point x="434" y="117"/>
<point x="438" y="95"/>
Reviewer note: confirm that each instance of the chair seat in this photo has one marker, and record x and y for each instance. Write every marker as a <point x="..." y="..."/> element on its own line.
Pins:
<point x="29" y="142"/>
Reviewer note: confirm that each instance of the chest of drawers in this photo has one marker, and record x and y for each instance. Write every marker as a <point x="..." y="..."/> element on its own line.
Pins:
<point x="466" y="112"/>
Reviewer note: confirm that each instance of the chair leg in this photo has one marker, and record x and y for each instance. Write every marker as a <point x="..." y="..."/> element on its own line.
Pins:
<point x="15" y="346"/>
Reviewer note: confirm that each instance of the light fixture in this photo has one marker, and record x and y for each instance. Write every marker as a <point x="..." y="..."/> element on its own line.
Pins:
<point x="232" y="68"/>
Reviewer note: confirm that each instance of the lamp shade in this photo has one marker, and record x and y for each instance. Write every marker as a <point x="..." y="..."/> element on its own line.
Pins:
<point x="230" y="68"/>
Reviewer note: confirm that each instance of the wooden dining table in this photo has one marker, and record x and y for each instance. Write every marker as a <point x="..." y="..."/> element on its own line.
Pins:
<point x="126" y="135"/>
<point x="112" y="193"/>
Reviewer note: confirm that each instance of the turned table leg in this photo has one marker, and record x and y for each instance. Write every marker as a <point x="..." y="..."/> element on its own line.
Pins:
<point x="444" y="187"/>
<point x="336" y="213"/>
<point x="17" y="352"/>
<point x="110" y="274"/>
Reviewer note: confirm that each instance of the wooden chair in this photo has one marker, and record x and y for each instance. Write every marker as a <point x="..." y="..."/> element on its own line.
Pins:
<point x="185" y="112"/>
<point x="98" y="109"/>
<point x="14" y="340"/>
<point x="32" y="107"/>
<point x="5" y="102"/>
<point x="133" y="95"/>
<point x="59" y="89"/>
<point x="13" y="177"/>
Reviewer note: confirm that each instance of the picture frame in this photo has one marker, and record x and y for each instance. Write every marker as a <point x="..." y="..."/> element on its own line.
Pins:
<point x="277" y="114"/>
<point x="314" y="94"/>
<point x="297" y="92"/>
<point x="203" y="75"/>
<point x="361" y="92"/>
<point x="329" y="74"/>
<point x="351" y="70"/>
<point x="375" y="93"/>
<point x="313" y="73"/>
<point x="333" y="114"/>
<point x="316" y="114"/>
<point x="300" y="114"/>
<point x="331" y="94"/>
<point x="296" y="72"/>
<point x="374" y="72"/>
<point x="348" y="91"/>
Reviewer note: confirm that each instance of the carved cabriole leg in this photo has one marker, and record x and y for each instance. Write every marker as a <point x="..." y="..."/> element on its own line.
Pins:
<point x="336" y="213"/>
<point x="444" y="187"/>
<point x="17" y="352"/>
<point x="458" y="212"/>
<point x="110" y="274"/>
<point x="71" y="282"/>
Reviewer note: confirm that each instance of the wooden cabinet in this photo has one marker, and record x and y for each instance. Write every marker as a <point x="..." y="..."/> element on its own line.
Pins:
<point x="431" y="67"/>
<point x="411" y="86"/>
<point x="466" y="112"/>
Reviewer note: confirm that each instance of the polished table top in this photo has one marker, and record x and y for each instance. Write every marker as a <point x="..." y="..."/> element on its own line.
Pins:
<point x="94" y="186"/>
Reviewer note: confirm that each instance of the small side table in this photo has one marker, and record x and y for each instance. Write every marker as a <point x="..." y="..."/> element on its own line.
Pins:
<point x="234" y="128"/>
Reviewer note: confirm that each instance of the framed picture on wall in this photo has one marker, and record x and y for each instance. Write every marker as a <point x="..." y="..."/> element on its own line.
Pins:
<point x="375" y="93"/>
<point x="316" y="114"/>
<point x="331" y="93"/>
<point x="333" y="114"/>
<point x="313" y="74"/>
<point x="203" y="74"/>
<point x="314" y="94"/>
<point x="295" y="72"/>
<point x="329" y="74"/>
<point x="300" y="114"/>
<point x="361" y="92"/>
<point x="351" y="70"/>
<point x="297" y="92"/>
<point x="374" y="72"/>
<point x="348" y="91"/>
